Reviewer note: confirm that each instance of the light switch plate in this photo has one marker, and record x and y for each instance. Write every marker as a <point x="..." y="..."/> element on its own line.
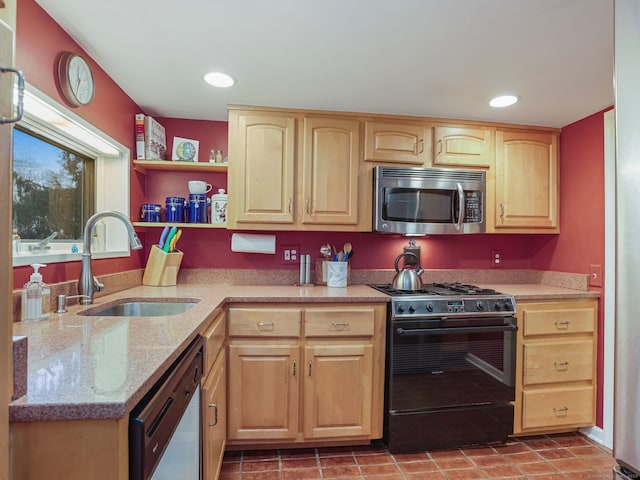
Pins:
<point x="595" y="275"/>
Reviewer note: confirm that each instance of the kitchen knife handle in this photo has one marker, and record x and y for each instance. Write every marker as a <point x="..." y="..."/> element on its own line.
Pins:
<point x="163" y="237"/>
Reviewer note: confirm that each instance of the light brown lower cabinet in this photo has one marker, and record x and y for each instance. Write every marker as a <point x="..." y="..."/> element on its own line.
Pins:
<point x="305" y="374"/>
<point x="555" y="366"/>
<point x="214" y="424"/>
<point x="213" y="399"/>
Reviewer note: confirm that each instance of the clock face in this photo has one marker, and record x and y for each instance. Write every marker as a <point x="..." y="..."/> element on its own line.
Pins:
<point x="76" y="79"/>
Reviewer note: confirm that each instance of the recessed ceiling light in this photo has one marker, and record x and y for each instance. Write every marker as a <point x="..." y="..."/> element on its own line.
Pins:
<point x="219" y="79"/>
<point x="503" y="101"/>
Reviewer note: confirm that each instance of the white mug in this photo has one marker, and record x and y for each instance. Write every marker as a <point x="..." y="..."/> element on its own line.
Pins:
<point x="198" y="186"/>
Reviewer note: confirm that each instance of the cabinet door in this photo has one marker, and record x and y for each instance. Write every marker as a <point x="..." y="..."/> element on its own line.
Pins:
<point x="261" y="168"/>
<point x="214" y="419"/>
<point x="462" y="146"/>
<point x="395" y="143"/>
<point x="526" y="180"/>
<point x="330" y="170"/>
<point x="263" y="392"/>
<point x="338" y="390"/>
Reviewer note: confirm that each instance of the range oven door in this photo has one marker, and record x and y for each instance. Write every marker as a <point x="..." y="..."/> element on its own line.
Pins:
<point x="451" y="383"/>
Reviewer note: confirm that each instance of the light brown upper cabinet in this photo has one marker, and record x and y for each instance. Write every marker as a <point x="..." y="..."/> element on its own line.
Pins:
<point x="464" y="146"/>
<point x="391" y="142"/>
<point x="330" y="165"/>
<point x="295" y="171"/>
<point x="261" y="172"/>
<point x="526" y="197"/>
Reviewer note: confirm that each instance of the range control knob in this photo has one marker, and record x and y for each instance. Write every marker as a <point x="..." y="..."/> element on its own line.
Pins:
<point x="480" y="306"/>
<point x="498" y="306"/>
<point x="429" y="307"/>
<point x="401" y="308"/>
<point x="412" y="308"/>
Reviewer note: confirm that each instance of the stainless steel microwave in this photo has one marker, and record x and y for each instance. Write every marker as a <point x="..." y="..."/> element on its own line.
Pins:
<point x="428" y="201"/>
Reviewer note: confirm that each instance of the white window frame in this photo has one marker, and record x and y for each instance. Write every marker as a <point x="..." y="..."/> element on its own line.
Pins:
<point x="111" y="181"/>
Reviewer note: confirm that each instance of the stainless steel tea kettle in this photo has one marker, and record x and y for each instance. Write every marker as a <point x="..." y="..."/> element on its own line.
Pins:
<point x="408" y="278"/>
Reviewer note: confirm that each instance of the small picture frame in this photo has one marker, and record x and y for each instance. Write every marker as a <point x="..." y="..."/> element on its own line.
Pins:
<point x="185" y="150"/>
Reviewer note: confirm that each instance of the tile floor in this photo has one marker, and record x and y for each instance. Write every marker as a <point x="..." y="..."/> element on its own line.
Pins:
<point x="552" y="457"/>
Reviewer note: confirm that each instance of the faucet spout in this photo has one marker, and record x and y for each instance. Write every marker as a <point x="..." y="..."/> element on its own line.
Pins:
<point x="87" y="283"/>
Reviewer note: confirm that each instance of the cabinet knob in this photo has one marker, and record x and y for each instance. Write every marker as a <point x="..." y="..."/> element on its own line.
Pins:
<point x="560" y="411"/>
<point x="215" y="414"/>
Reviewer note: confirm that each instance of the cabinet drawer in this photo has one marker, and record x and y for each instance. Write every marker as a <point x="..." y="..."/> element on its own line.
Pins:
<point x="264" y="322"/>
<point x="558" y="407"/>
<point x="213" y="341"/>
<point x="558" y="362"/>
<point x="558" y="321"/>
<point x="343" y="322"/>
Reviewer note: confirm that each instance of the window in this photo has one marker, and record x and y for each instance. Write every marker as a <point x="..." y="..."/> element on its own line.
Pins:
<point x="53" y="189"/>
<point x="65" y="170"/>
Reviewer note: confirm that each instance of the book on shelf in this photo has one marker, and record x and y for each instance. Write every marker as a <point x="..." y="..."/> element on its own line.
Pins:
<point x="139" y="129"/>
<point x="155" y="140"/>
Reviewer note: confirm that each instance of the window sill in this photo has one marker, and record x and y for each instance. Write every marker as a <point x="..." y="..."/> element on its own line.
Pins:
<point x="46" y="258"/>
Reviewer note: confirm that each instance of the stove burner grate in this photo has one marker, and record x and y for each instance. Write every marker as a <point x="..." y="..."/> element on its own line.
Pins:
<point x="438" y="289"/>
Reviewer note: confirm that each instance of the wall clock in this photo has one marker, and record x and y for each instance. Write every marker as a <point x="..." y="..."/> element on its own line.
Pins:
<point x="75" y="79"/>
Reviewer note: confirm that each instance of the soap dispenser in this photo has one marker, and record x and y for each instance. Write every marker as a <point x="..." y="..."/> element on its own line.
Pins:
<point x="35" y="296"/>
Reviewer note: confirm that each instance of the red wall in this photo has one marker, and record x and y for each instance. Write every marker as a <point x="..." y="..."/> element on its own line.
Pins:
<point x="39" y="43"/>
<point x="581" y="242"/>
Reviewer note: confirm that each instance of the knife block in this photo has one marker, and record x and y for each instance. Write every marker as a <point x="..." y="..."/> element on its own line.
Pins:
<point x="162" y="267"/>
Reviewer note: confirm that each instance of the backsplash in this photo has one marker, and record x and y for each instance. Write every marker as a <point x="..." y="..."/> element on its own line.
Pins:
<point x="121" y="281"/>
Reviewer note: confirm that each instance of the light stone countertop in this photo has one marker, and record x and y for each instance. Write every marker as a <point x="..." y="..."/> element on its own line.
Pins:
<point x="536" y="291"/>
<point x="101" y="367"/>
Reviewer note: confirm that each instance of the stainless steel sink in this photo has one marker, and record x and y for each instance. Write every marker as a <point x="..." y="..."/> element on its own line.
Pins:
<point x="141" y="308"/>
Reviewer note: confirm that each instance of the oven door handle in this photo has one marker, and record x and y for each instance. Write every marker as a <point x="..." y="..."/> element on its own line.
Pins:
<point x="442" y="331"/>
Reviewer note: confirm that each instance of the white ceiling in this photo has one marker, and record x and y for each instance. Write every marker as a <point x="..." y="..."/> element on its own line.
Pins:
<point x="438" y="58"/>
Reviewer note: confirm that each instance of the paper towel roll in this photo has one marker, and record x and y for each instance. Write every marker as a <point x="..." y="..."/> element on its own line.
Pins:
<point x="253" y="243"/>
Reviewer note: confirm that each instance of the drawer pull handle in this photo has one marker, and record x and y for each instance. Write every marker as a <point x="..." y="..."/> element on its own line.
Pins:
<point x="265" y="325"/>
<point x="560" y="411"/>
<point x="561" y="365"/>
<point x="294" y="368"/>
<point x="341" y="325"/>
<point x="309" y="368"/>
<point x="562" y="325"/>
<point x="215" y="415"/>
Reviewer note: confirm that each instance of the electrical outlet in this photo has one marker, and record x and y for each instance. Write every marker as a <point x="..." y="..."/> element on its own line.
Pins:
<point x="496" y="258"/>
<point x="290" y="254"/>
<point x="595" y="275"/>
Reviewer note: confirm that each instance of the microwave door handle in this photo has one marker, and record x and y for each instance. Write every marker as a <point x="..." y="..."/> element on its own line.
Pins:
<point x="461" y="203"/>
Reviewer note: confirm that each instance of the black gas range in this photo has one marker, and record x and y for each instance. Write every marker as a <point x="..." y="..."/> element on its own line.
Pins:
<point x="448" y="299"/>
<point x="450" y="367"/>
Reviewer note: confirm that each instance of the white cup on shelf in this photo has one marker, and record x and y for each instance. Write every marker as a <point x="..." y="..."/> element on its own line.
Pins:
<point x="199" y="186"/>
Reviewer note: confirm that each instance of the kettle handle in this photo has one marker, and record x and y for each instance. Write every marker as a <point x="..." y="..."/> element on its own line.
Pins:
<point x="419" y="270"/>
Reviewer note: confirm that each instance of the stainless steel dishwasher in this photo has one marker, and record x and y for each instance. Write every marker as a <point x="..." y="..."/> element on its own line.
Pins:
<point x="164" y="428"/>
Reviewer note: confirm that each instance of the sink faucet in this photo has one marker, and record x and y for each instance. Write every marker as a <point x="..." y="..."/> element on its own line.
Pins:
<point x="88" y="284"/>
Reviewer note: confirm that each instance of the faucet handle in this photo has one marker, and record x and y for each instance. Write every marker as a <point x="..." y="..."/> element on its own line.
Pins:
<point x="99" y="286"/>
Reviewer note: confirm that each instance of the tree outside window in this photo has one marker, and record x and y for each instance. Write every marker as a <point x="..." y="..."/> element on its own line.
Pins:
<point x="52" y="188"/>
